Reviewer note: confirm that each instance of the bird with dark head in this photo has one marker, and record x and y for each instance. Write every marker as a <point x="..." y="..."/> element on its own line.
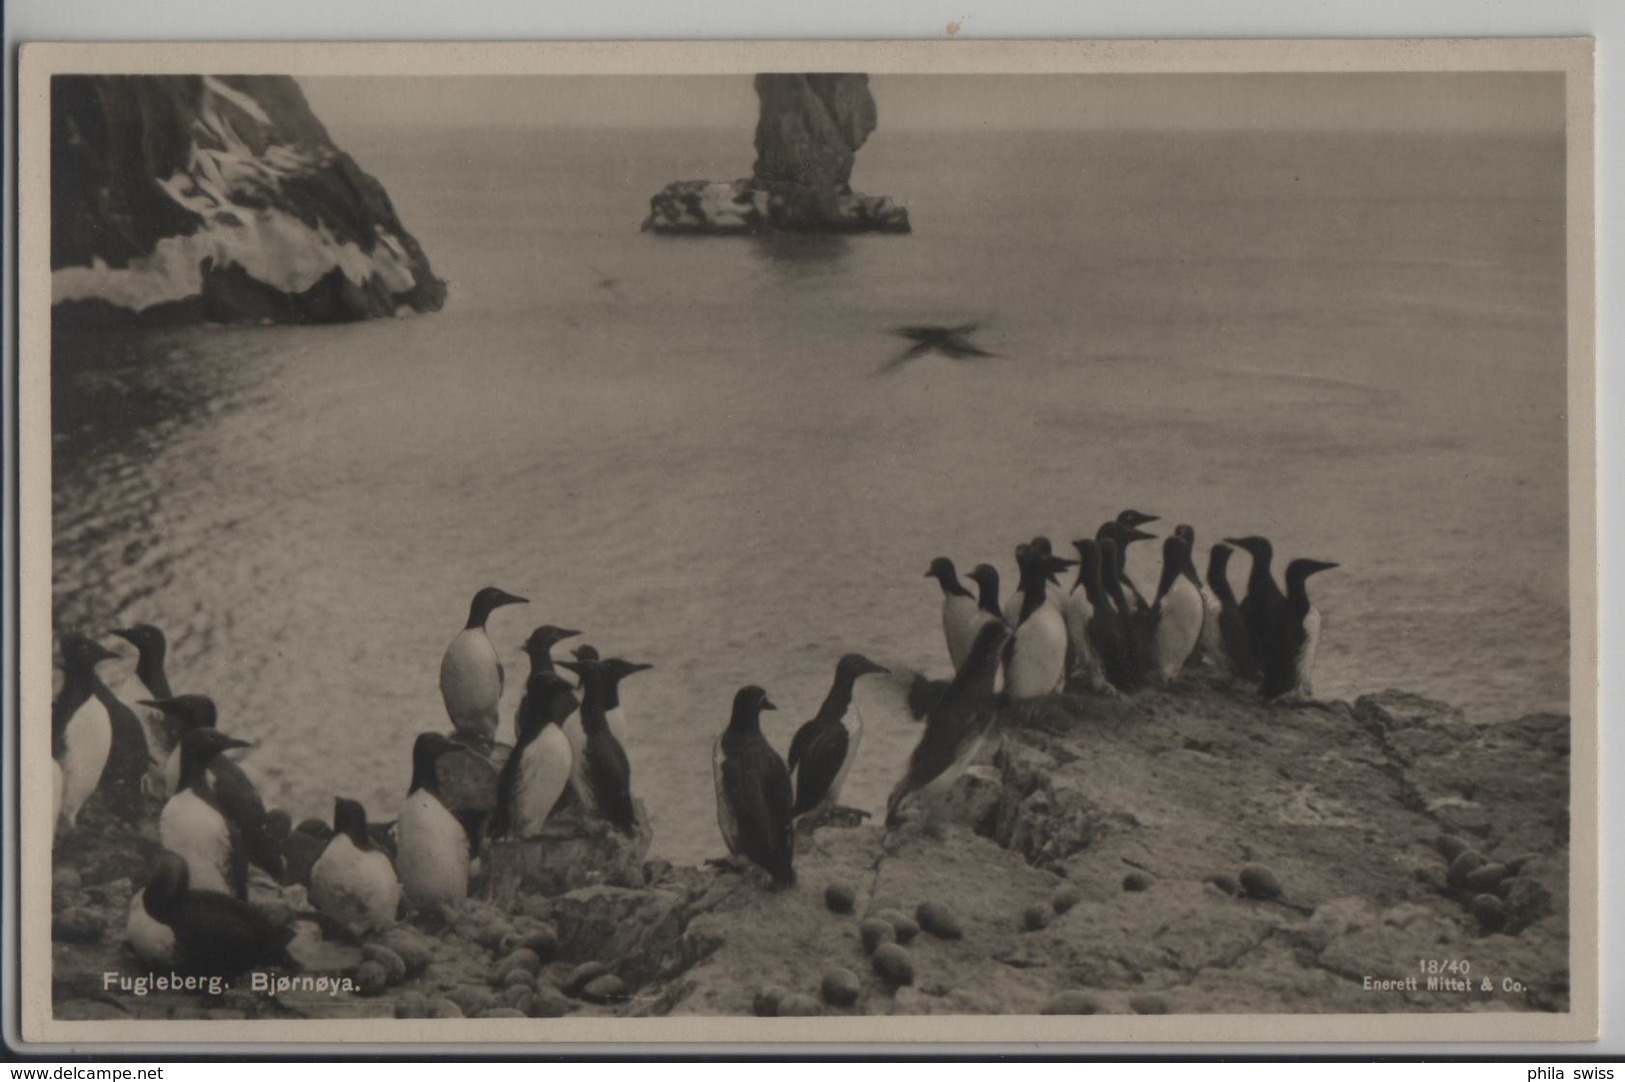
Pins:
<point x="1123" y="537"/>
<point x="539" y="647"/>
<point x="986" y="578"/>
<point x="197" y="824"/>
<point x="951" y="342"/>
<point x="471" y="673"/>
<point x="1265" y="605"/>
<point x="97" y="742"/>
<point x="538" y="769"/>
<point x="824" y="749"/>
<point x="1079" y="607"/>
<point x="1132" y="518"/>
<point x="602" y="777"/>
<point x="1123" y="648"/>
<point x="353" y="883"/>
<point x="959" y="609"/>
<point x="956" y="727"/>
<point x="755" y="797"/>
<point x="1175" y="619"/>
<point x="431" y="849"/>
<point x="1289" y="668"/>
<point x="209" y="933"/>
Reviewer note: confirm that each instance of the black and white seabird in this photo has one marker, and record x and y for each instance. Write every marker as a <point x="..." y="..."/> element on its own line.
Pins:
<point x="539" y="647"/>
<point x="1078" y="608"/>
<point x="97" y="741"/>
<point x="1123" y="651"/>
<point x="539" y="768"/>
<point x="1265" y="605"/>
<point x="1176" y="614"/>
<point x="1289" y="668"/>
<point x="1035" y="660"/>
<point x="233" y="792"/>
<point x="602" y="774"/>
<point x="194" y="823"/>
<point x="986" y="578"/>
<point x="202" y="932"/>
<point x="959" y="609"/>
<point x="1123" y="536"/>
<point x="956" y="727"/>
<point x="471" y="671"/>
<point x="754" y="794"/>
<point x="353" y="882"/>
<point x="431" y="846"/>
<point x="1235" y="651"/>
<point x="152" y="652"/>
<point x="824" y="749"/>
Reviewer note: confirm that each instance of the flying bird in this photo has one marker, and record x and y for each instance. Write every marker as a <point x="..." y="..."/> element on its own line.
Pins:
<point x="949" y="341"/>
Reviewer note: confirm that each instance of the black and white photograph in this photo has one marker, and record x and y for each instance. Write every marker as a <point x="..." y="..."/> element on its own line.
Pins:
<point x="601" y="543"/>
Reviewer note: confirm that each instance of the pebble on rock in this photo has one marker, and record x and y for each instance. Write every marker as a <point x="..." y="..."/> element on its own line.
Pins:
<point x="875" y="932"/>
<point x="523" y="958"/>
<point x="902" y="925"/>
<point x="1450" y="847"/>
<point x="409" y="946"/>
<point x="893" y="964"/>
<point x="1148" y="1005"/>
<point x="394" y="965"/>
<point x="1136" y="881"/>
<point x="371" y="978"/>
<point x="1035" y="917"/>
<point x="584" y="974"/>
<point x="519" y="997"/>
<point x="1259" y="882"/>
<point x="1483" y="879"/>
<point x="1225" y="883"/>
<point x="1065" y="897"/>
<point x="1072" y="1001"/>
<point x="518" y="976"/>
<point x="412" y="1005"/>
<point x="1490" y="911"/>
<point x="798" y="1005"/>
<point x="840" y="898"/>
<point x="77" y="925"/>
<point x="549" y="1002"/>
<point x="605" y="989"/>
<point x="765" y="1004"/>
<point x="1464" y="864"/>
<point x="543" y="943"/>
<point x="441" y="1007"/>
<point x="939" y="920"/>
<point x="841" y="987"/>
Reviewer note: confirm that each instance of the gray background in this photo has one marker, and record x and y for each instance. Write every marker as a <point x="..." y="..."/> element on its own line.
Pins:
<point x="401" y="20"/>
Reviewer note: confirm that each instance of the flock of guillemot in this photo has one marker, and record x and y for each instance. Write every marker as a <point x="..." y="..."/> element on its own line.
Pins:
<point x="1100" y="636"/>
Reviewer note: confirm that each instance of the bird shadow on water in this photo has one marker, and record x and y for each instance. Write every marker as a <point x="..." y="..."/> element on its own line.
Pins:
<point x="798" y="257"/>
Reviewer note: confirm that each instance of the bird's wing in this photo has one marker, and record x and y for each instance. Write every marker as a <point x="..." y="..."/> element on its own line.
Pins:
<point x="800" y="743"/>
<point x="826" y="751"/>
<point x="759" y="790"/>
<point x="241" y="804"/>
<point x="903" y="358"/>
<point x="968" y="328"/>
<point x="917" y="331"/>
<point x="971" y="349"/>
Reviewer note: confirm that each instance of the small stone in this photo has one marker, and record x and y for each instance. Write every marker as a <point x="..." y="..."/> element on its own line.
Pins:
<point x="523" y="958"/>
<point x="442" y="1007"/>
<point x="893" y="964"/>
<point x="765" y="1004"/>
<point x="935" y="988"/>
<point x="1503" y="889"/>
<point x="655" y="870"/>
<point x="1072" y="1001"/>
<point x="798" y="1005"/>
<point x="509" y="942"/>
<point x="1259" y="882"/>
<point x="902" y="925"/>
<point x="1485" y="878"/>
<point x="1035" y="917"/>
<point x="606" y="989"/>
<point x="1450" y="847"/>
<point x="394" y="965"/>
<point x="840" y="987"/>
<point x="410" y="946"/>
<point x="371" y="978"/>
<point x="939" y="920"/>
<point x="517" y="976"/>
<point x="1490" y="912"/>
<point x="1226" y="884"/>
<point x="1528" y="901"/>
<point x="549" y="1002"/>
<point x="1148" y="1005"/>
<point x="543" y="943"/>
<point x="1515" y="865"/>
<point x="519" y="997"/>
<point x="840" y="897"/>
<point x="1464" y="864"/>
<point x="501" y="1012"/>
<point x="77" y="925"/>
<point x="65" y="879"/>
<point x="412" y="1005"/>
<point x="471" y="999"/>
<point x="1065" y="897"/>
<point x="1136" y="881"/>
<point x="584" y="974"/>
<point x="874" y="932"/>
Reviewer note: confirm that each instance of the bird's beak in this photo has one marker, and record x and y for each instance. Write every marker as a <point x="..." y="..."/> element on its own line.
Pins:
<point x="566" y="633"/>
<point x="635" y="667"/>
<point x="767" y="704"/>
<point x="125" y="633"/>
<point x="512" y="599"/>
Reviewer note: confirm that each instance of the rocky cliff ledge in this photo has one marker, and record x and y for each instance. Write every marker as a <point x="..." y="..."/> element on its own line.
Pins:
<point x="1187" y="851"/>
<point x="218" y="198"/>
<point x="807" y="138"/>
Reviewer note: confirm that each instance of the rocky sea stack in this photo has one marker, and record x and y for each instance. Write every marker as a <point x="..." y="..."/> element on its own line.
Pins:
<point x="218" y="198"/>
<point x="1307" y="858"/>
<point x="807" y="138"/>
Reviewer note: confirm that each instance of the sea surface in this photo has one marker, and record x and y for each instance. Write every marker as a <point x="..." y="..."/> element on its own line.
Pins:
<point x="1353" y="344"/>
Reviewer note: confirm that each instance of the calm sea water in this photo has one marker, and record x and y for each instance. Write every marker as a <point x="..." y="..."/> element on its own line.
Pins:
<point x="1352" y="344"/>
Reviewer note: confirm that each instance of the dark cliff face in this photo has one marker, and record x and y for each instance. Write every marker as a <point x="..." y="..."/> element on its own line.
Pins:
<point x="808" y="134"/>
<point x="219" y="198"/>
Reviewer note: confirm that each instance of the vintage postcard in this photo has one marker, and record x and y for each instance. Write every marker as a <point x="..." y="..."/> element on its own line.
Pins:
<point x="839" y="542"/>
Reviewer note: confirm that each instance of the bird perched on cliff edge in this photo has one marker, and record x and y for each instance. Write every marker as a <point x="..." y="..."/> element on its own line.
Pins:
<point x="471" y="672"/>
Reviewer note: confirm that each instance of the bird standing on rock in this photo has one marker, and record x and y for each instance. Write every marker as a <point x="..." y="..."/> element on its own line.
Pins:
<point x="353" y="882"/>
<point x="602" y="774"/>
<point x="1176" y="614"/>
<point x="152" y="651"/>
<point x="539" y="768"/>
<point x="431" y="846"/>
<point x="955" y="728"/>
<point x="194" y="824"/>
<point x="1289" y="667"/>
<point x="754" y="795"/>
<point x="471" y="672"/>
<point x="1035" y="660"/>
<point x="208" y="933"/>
<point x="959" y="609"/>
<point x="825" y="748"/>
<point x="1265" y="605"/>
<point x="539" y="648"/>
<point x="96" y="740"/>
<point x="1122" y="536"/>
<point x="1235" y="651"/>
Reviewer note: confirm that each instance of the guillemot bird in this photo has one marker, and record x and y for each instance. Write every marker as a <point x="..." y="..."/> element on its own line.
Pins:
<point x="1035" y="659"/>
<point x="959" y="609"/>
<point x="96" y="740"/>
<point x="152" y="651"/>
<point x="539" y="649"/>
<point x="602" y="776"/>
<point x="353" y="883"/>
<point x="233" y="792"/>
<point x="431" y="846"/>
<point x="1106" y="631"/>
<point x="986" y="578"/>
<point x="1124" y="657"/>
<point x="824" y="748"/>
<point x="1078" y="609"/>
<point x="1289" y="667"/>
<point x="955" y="728"/>
<point x="755" y="802"/>
<point x="194" y="825"/>
<point x="1176" y="614"/>
<point x="1265" y="605"/>
<point x="1132" y="518"/>
<point x="208" y="933"/>
<point x="539" y="768"/>
<point x="1210" y="643"/>
<point x="1234" y="654"/>
<point x="951" y="342"/>
<point x="1123" y="536"/>
<point x="471" y="672"/>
